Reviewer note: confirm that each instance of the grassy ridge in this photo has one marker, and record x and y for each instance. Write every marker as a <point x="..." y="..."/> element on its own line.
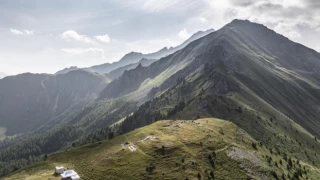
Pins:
<point x="186" y="153"/>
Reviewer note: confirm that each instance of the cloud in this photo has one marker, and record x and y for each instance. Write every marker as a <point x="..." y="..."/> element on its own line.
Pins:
<point x="288" y="29"/>
<point x="73" y="35"/>
<point x="79" y="51"/>
<point x="318" y="29"/>
<point x="27" y="32"/>
<point x="203" y="20"/>
<point x="294" y="34"/>
<point x="183" y="34"/>
<point x="103" y="38"/>
<point x="242" y="3"/>
<point x="156" y="5"/>
<point x="73" y="51"/>
<point x="23" y="32"/>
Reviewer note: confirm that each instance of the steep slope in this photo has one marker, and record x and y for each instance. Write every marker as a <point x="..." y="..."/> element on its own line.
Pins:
<point x="194" y="37"/>
<point x="241" y="54"/>
<point x="119" y="71"/>
<point x="210" y="148"/>
<point x="34" y="99"/>
<point x="268" y="86"/>
<point x="134" y="57"/>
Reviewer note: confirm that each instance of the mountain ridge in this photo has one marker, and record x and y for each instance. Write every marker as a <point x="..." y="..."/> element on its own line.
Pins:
<point x="134" y="57"/>
<point x="43" y="96"/>
<point x="245" y="73"/>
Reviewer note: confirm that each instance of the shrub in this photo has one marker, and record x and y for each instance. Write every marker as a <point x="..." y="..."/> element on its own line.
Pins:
<point x="254" y="146"/>
<point x="199" y="176"/>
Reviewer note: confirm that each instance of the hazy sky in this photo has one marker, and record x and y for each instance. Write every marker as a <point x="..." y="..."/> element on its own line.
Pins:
<point x="45" y="36"/>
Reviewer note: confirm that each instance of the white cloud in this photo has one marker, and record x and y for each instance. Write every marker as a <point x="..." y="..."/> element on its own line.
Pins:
<point x="103" y="38"/>
<point x="79" y="51"/>
<point x="73" y="35"/>
<point x="318" y="29"/>
<point x="294" y="34"/>
<point x="156" y="5"/>
<point x="29" y="32"/>
<point x="203" y="20"/>
<point x="16" y="32"/>
<point x="183" y="34"/>
<point x="288" y="29"/>
<point x="23" y="32"/>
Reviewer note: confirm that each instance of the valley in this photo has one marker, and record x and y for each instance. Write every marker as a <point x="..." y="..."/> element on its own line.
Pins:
<point x="237" y="103"/>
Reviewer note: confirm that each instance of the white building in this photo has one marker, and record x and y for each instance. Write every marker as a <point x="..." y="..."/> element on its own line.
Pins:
<point x="70" y="174"/>
<point x="59" y="170"/>
<point x="75" y="177"/>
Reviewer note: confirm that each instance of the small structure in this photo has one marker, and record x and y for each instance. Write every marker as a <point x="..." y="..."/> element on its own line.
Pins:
<point x="59" y="170"/>
<point x="75" y="177"/>
<point x="132" y="148"/>
<point x="70" y="174"/>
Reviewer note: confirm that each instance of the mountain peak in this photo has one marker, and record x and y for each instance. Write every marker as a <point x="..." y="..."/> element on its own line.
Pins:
<point x="237" y="21"/>
<point x="246" y="24"/>
<point x="199" y="33"/>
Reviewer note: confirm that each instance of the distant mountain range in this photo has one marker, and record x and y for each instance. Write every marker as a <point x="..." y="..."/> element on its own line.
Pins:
<point x="34" y="99"/>
<point x="134" y="57"/>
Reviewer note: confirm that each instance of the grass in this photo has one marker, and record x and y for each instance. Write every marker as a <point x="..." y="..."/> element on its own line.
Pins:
<point x="185" y="154"/>
<point x="2" y="133"/>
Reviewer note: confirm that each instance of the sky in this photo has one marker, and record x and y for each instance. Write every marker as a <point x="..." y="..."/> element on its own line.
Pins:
<point x="44" y="36"/>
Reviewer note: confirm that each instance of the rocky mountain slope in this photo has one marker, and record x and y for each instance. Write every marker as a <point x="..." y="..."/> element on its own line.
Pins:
<point x="119" y="71"/>
<point x="34" y="99"/>
<point x="241" y="56"/>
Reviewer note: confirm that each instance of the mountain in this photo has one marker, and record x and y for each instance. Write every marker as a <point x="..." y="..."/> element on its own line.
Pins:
<point x="134" y="57"/>
<point x="260" y="80"/>
<point x="33" y="99"/>
<point x="241" y="55"/>
<point x="263" y="87"/>
<point x="2" y="75"/>
<point x="119" y="71"/>
<point x="66" y="70"/>
<point x="211" y="148"/>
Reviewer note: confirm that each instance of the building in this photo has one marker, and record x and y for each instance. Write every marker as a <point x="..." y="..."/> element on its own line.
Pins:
<point x="59" y="170"/>
<point x="70" y="174"/>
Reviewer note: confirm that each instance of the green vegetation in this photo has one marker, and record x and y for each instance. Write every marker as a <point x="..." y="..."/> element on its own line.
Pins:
<point x="165" y="150"/>
<point x="2" y="133"/>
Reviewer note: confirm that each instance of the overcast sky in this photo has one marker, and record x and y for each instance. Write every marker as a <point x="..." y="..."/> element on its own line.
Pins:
<point x="43" y="36"/>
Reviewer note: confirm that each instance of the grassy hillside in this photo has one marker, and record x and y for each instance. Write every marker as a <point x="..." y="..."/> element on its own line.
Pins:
<point x="170" y="150"/>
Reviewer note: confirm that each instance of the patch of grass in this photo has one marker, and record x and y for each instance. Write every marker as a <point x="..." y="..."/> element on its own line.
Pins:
<point x="2" y="133"/>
